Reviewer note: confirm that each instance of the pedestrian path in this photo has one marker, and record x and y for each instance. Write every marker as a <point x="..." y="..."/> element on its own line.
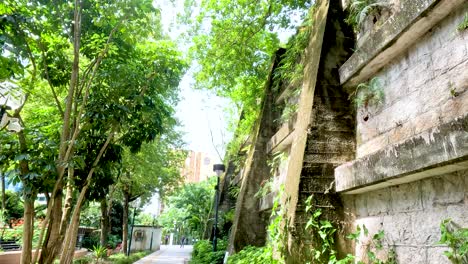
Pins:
<point x="168" y="255"/>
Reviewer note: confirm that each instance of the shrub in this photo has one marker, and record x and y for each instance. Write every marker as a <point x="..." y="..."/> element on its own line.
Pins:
<point x="203" y="252"/>
<point x="250" y="254"/>
<point x="122" y="259"/>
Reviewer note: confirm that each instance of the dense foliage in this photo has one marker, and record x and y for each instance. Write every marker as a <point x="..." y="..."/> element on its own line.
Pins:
<point x="203" y="252"/>
<point x="189" y="209"/>
<point x="251" y="254"/>
<point x="94" y="79"/>
<point x="233" y="43"/>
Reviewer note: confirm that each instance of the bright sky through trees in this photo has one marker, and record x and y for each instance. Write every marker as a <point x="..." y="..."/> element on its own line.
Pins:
<point x="200" y="112"/>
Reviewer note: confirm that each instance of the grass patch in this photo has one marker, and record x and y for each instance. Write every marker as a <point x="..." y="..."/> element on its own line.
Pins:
<point x="115" y="259"/>
<point x="122" y="259"/>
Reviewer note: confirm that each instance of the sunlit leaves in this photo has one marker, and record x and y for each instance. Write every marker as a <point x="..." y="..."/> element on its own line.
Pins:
<point x="233" y="45"/>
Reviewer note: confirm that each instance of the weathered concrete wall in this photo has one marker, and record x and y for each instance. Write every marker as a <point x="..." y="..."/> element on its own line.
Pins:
<point x="249" y="226"/>
<point x="145" y="241"/>
<point x="419" y="88"/>
<point x="411" y="168"/>
<point x="410" y="215"/>
<point x="330" y="137"/>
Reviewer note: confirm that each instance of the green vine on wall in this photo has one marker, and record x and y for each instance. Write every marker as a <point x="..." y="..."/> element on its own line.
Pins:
<point x="360" y="9"/>
<point x="464" y="24"/>
<point x="373" y="246"/>
<point x="290" y="71"/>
<point x="456" y="238"/>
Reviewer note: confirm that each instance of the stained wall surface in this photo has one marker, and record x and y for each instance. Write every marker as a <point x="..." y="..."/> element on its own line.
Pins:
<point x="425" y="89"/>
<point x="410" y="215"/>
<point x="419" y="88"/>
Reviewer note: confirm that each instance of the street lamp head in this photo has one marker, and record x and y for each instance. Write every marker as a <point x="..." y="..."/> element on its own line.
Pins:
<point x="219" y="169"/>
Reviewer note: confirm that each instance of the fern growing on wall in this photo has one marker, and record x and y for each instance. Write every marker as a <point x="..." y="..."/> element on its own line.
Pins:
<point x="370" y="93"/>
<point x="360" y="9"/>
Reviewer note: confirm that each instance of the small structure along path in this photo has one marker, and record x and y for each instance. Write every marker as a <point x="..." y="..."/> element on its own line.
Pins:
<point x="168" y="255"/>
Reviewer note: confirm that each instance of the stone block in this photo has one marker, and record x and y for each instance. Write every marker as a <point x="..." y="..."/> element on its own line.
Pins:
<point x="454" y="107"/>
<point x="400" y="112"/>
<point x="395" y="70"/>
<point x="372" y="145"/>
<point x="421" y="72"/>
<point x="434" y="94"/>
<point x="435" y="255"/>
<point x="366" y="130"/>
<point x="397" y="228"/>
<point x="396" y="89"/>
<point x="443" y="190"/>
<point x="402" y="131"/>
<point x="426" y="121"/>
<point x="360" y="203"/>
<point x="425" y="226"/>
<point x="411" y="254"/>
<point x="378" y="202"/>
<point x="458" y="213"/>
<point x="406" y="197"/>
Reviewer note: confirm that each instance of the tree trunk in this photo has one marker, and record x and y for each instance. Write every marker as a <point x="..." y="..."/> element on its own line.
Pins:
<point x="68" y="249"/>
<point x="125" y="222"/>
<point x="26" y="252"/>
<point x="52" y="241"/>
<point x="109" y="212"/>
<point x="29" y="197"/>
<point x="104" y="222"/>
<point x="53" y="223"/>
<point x="3" y="192"/>
<point x="67" y="208"/>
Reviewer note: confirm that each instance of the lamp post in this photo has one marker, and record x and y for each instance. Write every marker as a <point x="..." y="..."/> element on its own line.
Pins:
<point x="218" y="169"/>
<point x="152" y="230"/>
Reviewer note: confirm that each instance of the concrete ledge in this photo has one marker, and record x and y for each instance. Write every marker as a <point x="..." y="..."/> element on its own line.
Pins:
<point x="436" y="151"/>
<point x="413" y="19"/>
<point x="283" y="137"/>
<point x="266" y="202"/>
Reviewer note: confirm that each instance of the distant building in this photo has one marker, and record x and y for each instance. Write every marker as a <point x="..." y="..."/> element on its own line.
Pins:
<point x="198" y="166"/>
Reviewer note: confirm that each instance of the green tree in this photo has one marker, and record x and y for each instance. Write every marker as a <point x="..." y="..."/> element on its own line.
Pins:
<point x="190" y="207"/>
<point x="155" y="168"/>
<point x="80" y="51"/>
<point x="233" y="45"/>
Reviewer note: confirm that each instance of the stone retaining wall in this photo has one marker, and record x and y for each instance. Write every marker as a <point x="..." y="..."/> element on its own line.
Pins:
<point x="410" y="215"/>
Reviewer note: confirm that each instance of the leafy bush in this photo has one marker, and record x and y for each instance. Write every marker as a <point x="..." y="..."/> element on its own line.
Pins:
<point x="99" y="252"/>
<point x="113" y="240"/>
<point x="456" y="238"/>
<point x="250" y="254"/>
<point x="203" y="252"/>
<point x="83" y="260"/>
<point x="122" y="259"/>
<point x="14" y="205"/>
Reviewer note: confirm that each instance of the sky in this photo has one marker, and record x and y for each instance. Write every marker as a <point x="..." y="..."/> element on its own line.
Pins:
<point x="204" y="123"/>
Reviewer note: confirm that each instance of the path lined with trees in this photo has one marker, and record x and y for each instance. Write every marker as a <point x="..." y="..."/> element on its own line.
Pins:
<point x="95" y="84"/>
<point x="168" y="255"/>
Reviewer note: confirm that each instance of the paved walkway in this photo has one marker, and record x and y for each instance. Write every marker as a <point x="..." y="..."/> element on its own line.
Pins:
<point x="168" y="255"/>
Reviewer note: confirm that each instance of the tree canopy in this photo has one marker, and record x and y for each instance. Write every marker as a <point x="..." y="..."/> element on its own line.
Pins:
<point x="233" y="42"/>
